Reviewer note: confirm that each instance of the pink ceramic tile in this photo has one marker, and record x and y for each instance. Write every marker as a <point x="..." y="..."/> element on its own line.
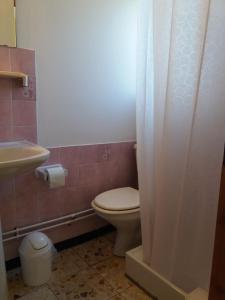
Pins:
<point x="84" y="154"/>
<point x="76" y="199"/>
<point x="114" y="151"/>
<point x="24" y="113"/>
<point x="5" y="133"/>
<point x="26" y="209"/>
<point x="28" y="133"/>
<point x="7" y="204"/>
<point x="6" y="190"/>
<point x="5" y="89"/>
<point x="23" y="60"/>
<point x="125" y="156"/>
<point x="27" y="184"/>
<point x="128" y="173"/>
<point x="95" y="176"/>
<point x="4" y="59"/>
<point x="122" y="151"/>
<point x="73" y="175"/>
<point x="6" y="187"/>
<point x="88" y="174"/>
<point x="108" y="174"/>
<point x="54" y="156"/>
<point x="8" y="215"/>
<point x="5" y="113"/>
<point x="67" y="195"/>
<point x="49" y="205"/>
<point x="76" y="228"/>
<point x="93" y="153"/>
<point x="26" y="189"/>
<point x="69" y="155"/>
<point x="24" y="93"/>
<point x="128" y="151"/>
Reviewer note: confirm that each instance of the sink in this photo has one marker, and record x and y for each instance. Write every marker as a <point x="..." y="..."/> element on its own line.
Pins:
<point x="20" y="156"/>
<point x="15" y="158"/>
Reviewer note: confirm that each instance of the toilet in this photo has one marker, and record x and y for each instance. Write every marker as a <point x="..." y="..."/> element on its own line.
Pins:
<point x="121" y="208"/>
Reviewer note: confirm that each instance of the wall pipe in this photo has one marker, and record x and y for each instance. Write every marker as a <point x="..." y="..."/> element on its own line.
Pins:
<point x="58" y="222"/>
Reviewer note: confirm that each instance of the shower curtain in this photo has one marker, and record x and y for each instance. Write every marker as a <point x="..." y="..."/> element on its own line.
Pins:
<point x="180" y="134"/>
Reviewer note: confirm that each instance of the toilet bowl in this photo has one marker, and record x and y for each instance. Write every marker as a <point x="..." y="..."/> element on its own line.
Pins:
<point x="121" y="208"/>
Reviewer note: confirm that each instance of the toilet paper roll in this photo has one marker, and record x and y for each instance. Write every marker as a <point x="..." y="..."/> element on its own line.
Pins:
<point x="56" y="177"/>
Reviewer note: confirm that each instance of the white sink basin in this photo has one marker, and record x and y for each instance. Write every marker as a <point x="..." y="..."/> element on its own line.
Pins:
<point x="20" y="156"/>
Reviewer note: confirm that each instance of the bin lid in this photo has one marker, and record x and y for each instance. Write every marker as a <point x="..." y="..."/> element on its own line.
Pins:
<point x="34" y="242"/>
<point x="37" y="240"/>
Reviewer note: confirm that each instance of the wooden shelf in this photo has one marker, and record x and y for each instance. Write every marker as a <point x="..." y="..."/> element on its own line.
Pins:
<point x="17" y="75"/>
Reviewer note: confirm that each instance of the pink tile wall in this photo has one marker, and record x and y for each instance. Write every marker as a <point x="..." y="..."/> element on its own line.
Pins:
<point x="26" y="200"/>
<point x="92" y="169"/>
<point x="17" y="103"/>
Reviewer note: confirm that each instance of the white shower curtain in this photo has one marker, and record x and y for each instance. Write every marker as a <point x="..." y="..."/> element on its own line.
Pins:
<point x="180" y="134"/>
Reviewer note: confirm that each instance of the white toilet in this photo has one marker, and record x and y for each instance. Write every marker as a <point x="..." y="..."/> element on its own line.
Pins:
<point x="121" y="208"/>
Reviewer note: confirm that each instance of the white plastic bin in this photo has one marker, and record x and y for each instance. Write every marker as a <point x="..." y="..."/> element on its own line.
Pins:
<point x="36" y="254"/>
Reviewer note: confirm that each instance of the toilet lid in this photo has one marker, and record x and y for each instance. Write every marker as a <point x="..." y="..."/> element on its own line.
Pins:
<point x="118" y="199"/>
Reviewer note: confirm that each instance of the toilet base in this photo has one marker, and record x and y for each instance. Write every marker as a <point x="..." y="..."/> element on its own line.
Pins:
<point x="126" y="240"/>
<point x="128" y="226"/>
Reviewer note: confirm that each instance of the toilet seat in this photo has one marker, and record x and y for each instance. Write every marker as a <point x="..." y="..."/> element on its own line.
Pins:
<point x="121" y="199"/>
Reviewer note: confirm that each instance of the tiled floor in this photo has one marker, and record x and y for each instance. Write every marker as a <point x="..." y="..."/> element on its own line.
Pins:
<point x="87" y="271"/>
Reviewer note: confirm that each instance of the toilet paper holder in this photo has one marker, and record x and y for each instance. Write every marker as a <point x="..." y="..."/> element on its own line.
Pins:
<point x="41" y="172"/>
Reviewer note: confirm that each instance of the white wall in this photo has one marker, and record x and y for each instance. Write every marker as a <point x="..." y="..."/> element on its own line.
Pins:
<point x="85" y="57"/>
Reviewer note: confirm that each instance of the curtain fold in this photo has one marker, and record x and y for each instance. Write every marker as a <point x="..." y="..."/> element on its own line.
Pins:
<point x="180" y="134"/>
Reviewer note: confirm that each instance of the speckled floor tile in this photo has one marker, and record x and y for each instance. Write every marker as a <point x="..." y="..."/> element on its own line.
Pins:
<point x="113" y="270"/>
<point x="88" y="271"/>
<point x="67" y="263"/>
<point x="16" y="286"/>
<point x="42" y="293"/>
<point x="111" y="236"/>
<point x="86" y="284"/>
<point x="61" y="285"/>
<point x="134" y="293"/>
<point x="118" y="297"/>
<point x="95" y="251"/>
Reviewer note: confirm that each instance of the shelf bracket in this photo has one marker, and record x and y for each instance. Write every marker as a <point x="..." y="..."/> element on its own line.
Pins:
<point x="19" y="75"/>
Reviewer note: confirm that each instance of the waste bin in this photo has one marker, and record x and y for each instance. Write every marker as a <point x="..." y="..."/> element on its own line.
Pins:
<point x="36" y="254"/>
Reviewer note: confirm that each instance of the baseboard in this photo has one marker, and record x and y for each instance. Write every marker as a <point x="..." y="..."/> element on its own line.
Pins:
<point x="155" y="284"/>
